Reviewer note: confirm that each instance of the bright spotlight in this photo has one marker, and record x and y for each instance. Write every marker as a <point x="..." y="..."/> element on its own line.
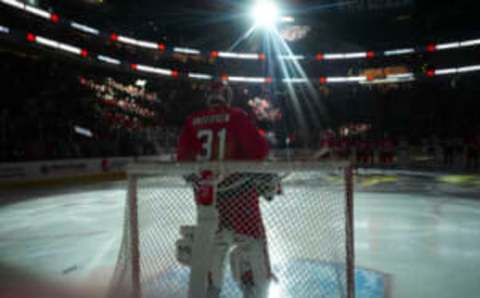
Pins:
<point x="265" y="13"/>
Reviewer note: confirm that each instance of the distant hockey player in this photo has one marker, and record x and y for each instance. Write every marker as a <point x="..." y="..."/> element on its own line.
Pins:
<point x="387" y="150"/>
<point x="221" y="132"/>
<point x="326" y="146"/>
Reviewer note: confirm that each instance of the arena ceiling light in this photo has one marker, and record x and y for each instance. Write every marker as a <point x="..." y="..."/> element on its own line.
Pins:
<point x="265" y="14"/>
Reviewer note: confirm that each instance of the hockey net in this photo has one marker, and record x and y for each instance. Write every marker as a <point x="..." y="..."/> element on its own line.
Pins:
<point x="308" y="220"/>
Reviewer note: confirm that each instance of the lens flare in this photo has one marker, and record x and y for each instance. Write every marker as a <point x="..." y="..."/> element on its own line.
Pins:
<point x="265" y="14"/>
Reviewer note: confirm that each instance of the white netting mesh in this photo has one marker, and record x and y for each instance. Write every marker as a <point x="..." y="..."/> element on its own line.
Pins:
<point x="303" y="212"/>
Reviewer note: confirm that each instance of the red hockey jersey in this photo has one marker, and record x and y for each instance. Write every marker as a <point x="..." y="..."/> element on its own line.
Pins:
<point x="220" y="133"/>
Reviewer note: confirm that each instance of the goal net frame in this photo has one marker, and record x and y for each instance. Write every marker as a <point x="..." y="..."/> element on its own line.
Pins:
<point x="140" y="169"/>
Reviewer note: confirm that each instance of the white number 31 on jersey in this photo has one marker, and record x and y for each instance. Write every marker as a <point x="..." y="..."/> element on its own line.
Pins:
<point x="209" y="140"/>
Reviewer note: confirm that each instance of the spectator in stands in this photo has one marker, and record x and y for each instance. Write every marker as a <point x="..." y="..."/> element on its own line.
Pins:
<point x="472" y="152"/>
<point x="448" y="148"/>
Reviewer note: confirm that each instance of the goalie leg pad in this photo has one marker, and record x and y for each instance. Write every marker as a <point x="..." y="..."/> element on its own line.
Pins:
<point x="223" y="242"/>
<point x="250" y="267"/>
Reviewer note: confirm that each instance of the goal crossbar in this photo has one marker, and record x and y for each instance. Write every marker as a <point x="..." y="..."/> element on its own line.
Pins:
<point x="180" y="168"/>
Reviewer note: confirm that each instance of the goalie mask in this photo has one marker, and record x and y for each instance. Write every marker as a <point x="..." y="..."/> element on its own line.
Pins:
<point x="219" y="94"/>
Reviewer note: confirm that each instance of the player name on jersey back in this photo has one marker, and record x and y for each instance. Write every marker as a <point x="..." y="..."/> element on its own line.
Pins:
<point x="211" y="119"/>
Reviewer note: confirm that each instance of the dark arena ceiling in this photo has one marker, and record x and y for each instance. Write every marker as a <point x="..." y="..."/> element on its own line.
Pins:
<point x="333" y="23"/>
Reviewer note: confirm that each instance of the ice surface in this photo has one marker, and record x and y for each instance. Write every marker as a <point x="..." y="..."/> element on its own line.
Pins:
<point x="426" y="243"/>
